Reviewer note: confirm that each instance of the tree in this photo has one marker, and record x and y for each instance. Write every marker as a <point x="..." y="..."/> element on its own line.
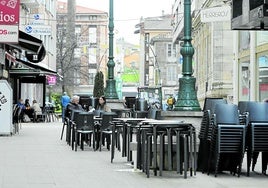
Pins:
<point x="98" y="85"/>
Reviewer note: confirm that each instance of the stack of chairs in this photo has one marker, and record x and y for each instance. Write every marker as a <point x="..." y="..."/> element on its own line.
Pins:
<point x="228" y="136"/>
<point x="257" y="136"/>
<point x="205" y="132"/>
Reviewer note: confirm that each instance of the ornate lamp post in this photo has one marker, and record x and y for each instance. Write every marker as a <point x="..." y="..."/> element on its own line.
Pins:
<point x="110" y="90"/>
<point x="187" y="98"/>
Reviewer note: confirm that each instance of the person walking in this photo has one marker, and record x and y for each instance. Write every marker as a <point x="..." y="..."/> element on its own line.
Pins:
<point x="65" y="100"/>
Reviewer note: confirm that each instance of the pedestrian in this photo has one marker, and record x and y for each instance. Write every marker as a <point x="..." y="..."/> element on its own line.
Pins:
<point x="65" y="100"/>
<point x="170" y="102"/>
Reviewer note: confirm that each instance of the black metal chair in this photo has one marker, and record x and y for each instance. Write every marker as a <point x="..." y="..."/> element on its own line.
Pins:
<point x="84" y="127"/>
<point x="227" y="140"/>
<point x="70" y="136"/>
<point x="257" y="135"/>
<point x="105" y="129"/>
<point x="17" y="117"/>
<point x="205" y="131"/>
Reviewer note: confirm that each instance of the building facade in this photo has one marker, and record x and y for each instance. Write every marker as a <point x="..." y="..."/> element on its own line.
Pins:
<point x="89" y="50"/>
<point x="159" y="57"/>
<point x="30" y="62"/>
<point x="213" y="57"/>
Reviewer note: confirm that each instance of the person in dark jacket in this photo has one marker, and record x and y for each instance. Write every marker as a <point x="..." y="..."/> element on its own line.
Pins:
<point x="73" y="105"/>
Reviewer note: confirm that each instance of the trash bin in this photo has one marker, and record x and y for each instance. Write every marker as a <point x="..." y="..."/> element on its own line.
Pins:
<point x="141" y="104"/>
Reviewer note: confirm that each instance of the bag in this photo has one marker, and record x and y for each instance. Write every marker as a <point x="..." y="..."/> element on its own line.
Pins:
<point x="26" y="118"/>
<point x="170" y="101"/>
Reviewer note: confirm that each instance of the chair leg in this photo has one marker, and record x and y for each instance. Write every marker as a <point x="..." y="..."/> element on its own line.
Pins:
<point x="76" y="138"/>
<point x="62" y="131"/>
<point x="148" y="158"/>
<point x="248" y="162"/>
<point x="162" y="153"/>
<point x="185" y="156"/>
<point x="178" y="154"/>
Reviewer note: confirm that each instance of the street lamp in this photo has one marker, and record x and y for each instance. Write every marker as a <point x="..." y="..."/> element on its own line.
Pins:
<point x="110" y="90"/>
<point x="187" y="98"/>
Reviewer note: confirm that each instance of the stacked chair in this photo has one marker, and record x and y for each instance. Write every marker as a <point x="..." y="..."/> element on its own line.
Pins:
<point x="227" y="144"/>
<point x="257" y="136"/>
<point x="205" y="132"/>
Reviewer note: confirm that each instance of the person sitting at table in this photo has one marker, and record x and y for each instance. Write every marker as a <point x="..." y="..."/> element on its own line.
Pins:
<point x="27" y="104"/>
<point x="102" y="105"/>
<point x="36" y="109"/>
<point x="73" y="105"/>
<point x="28" y="110"/>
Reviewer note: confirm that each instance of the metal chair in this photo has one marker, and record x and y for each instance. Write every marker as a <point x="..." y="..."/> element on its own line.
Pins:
<point x="257" y="135"/>
<point x="105" y="129"/>
<point x="205" y="131"/>
<point x="84" y="127"/>
<point x="227" y="140"/>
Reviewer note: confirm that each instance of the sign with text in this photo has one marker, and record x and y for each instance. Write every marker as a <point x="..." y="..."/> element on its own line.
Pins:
<point x="9" y="33"/>
<point x="216" y="14"/>
<point x="9" y="12"/>
<point x="6" y="101"/>
<point x="37" y="29"/>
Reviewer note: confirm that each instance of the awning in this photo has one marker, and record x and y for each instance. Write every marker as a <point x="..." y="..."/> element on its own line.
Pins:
<point x="30" y="69"/>
<point x="34" y="49"/>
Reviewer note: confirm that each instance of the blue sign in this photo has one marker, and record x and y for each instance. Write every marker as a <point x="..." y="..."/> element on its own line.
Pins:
<point x="28" y="29"/>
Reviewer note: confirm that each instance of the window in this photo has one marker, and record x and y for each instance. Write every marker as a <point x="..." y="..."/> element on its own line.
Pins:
<point x="169" y="50"/>
<point x="171" y="74"/>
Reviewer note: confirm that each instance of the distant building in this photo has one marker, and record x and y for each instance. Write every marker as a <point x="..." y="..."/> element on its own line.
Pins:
<point x="159" y="59"/>
<point x="90" y="53"/>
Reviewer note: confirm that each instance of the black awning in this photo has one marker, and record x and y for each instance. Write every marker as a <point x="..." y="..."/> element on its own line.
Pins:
<point x="34" y="49"/>
<point x="31" y="69"/>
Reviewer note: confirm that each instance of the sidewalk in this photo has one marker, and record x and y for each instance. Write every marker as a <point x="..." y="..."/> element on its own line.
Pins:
<point x="37" y="158"/>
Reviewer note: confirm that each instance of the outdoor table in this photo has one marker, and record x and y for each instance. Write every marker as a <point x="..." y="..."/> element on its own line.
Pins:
<point x="123" y="112"/>
<point x="126" y="134"/>
<point x="169" y="126"/>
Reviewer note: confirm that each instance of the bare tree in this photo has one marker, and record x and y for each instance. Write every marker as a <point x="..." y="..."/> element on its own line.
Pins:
<point x="69" y="68"/>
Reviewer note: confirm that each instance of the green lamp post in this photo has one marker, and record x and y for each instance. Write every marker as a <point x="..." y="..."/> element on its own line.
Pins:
<point x="187" y="98"/>
<point x="110" y="90"/>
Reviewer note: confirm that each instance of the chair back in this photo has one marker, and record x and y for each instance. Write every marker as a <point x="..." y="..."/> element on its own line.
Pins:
<point x="74" y="115"/>
<point x="107" y="117"/>
<point x="258" y="111"/>
<point x="226" y="114"/>
<point x="209" y="101"/>
<point x="97" y="113"/>
<point x="154" y="114"/>
<point x="85" y="120"/>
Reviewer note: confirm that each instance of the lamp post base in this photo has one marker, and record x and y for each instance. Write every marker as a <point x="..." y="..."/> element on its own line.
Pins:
<point x="110" y="91"/>
<point x="187" y="99"/>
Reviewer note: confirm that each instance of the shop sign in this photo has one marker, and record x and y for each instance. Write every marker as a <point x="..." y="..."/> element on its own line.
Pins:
<point x="37" y="29"/>
<point x="9" y="12"/>
<point x="9" y="34"/>
<point x="216" y="14"/>
<point x="37" y="19"/>
<point x="6" y="101"/>
<point x="51" y="80"/>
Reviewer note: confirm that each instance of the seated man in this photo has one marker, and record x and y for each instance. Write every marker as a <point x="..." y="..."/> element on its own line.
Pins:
<point x="36" y="109"/>
<point x="73" y="105"/>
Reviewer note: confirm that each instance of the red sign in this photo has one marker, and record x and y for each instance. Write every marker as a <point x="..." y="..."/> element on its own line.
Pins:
<point x="9" y="12"/>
